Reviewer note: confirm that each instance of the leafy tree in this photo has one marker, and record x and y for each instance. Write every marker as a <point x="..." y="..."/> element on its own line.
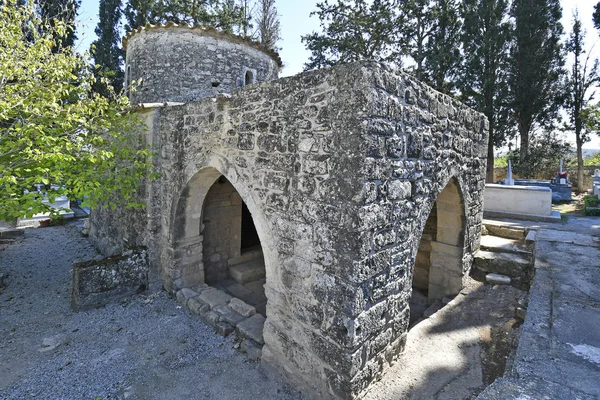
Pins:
<point x="106" y="51"/>
<point x="545" y="154"/>
<point x="269" y="28"/>
<point x="442" y="54"/>
<point x="227" y="15"/>
<point x="354" y="30"/>
<point x="53" y="129"/>
<point x="535" y="66"/>
<point x="141" y="12"/>
<point x="230" y="17"/>
<point x="582" y="77"/>
<point x="485" y="42"/>
<point x="63" y="12"/>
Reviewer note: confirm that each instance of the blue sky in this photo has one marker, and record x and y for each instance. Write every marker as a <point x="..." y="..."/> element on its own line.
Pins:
<point x="296" y="21"/>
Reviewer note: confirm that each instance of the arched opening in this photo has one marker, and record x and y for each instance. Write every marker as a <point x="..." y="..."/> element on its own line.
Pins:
<point x="438" y="264"/>
<point x="248" y="78"/>
<point x="215" y="242"/>
<point x="232" y="255"/>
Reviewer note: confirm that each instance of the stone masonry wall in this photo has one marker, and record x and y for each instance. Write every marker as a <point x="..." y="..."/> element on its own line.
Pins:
<point x="179" y="63"/>
<point x="340" y="169"/>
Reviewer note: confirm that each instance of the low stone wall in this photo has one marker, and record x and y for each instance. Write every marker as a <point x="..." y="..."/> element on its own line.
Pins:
<point x="99" y="282"/>
<point x="526" y="200"/>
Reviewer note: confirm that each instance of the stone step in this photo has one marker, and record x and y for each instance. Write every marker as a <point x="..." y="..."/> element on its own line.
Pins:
<point x="519" y="267"/>
<point x="248" y="271"/>
<point x="504" y="245"/>
<point x="505" y="229"/>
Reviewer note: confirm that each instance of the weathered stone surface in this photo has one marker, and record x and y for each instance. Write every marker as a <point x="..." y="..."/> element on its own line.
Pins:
<point x="185" y="294"/>
<point x="252" y="328"/>
<point x="509" y="264"/>
<point x="197" y="306"/>
<point x="224" y="328"/>
<point x="228" y="315"/>
<point x="214" y="297"/>
<point x="98" y="282"/>
<point x="11" y="233"/>
<point x="192" y="63"/>
<point x="241" y="307"/>
<point x="339" y="169"/>
<point x="248" y="271"/>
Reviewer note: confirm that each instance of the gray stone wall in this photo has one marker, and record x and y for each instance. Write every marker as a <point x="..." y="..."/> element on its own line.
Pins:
<point x="99" y="282"/>
<point x="179" y="63"/>
<point x="340" y="169"/>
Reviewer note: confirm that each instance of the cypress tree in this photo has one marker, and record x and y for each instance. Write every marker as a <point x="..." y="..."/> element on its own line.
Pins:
<point x="442" y="54"/>
<point x="107" y="51"/>
<point x="535" y="67"/>
<point x="485" y="41"/>
<point x="582" y="77"/>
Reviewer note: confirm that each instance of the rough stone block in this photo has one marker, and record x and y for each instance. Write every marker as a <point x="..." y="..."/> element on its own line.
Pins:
<point x="242" y="307"/>
<point x="228" y="315"/>
<point x="184" y="295"/>
<point x="197" y="306"/>
<point x="214" y="297"/>
<point x="252" y="328"/>
<point x="224" y="329"/>
<point x="98" y="282"/>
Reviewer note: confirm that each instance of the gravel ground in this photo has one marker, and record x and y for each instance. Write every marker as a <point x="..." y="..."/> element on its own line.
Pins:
<point x="146" y="348"/>
<point x="150" y="348"/>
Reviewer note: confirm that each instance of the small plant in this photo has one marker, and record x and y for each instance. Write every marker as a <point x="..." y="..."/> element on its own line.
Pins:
<point x="591" y="205"/>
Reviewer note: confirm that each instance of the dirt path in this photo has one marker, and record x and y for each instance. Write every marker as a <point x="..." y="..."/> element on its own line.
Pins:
<point x="147" y="348"/>
<point x="458" y="351"/>
<point x="150" y="348"/>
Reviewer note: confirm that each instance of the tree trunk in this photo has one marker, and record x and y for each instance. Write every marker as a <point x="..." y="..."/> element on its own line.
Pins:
<point x="524" y="132"/>
<point x="579" y="143"/>
<point x="489" y="178"/>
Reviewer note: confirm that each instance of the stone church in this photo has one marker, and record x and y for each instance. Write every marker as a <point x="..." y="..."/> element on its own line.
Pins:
<point x="311" y="207"/>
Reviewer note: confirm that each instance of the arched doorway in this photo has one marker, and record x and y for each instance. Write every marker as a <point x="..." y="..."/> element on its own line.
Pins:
<point x="215" y="242"/>
<point x="232" y="255"/>
<point x="438" y="268"/>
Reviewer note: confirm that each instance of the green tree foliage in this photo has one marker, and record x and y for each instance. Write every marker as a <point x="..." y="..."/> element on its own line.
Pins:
<point x="269" y="28"/>
<point x="53" y="129"/>
<point x="106" y="51"/>
<point x="354" y="30"/>
<point x="535" y="66"/>
<point x="63" y="12"/>
<point x="227" y="15"/>
<point x="581" y="79"/>
<point x="546" y="151"/>
<point x="485" y="42"/>
<point x="442" y="54"/>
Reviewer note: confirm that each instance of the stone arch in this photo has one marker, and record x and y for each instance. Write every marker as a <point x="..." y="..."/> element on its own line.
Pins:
<point x="438" y="269"/>
<point x="186" y="253"/>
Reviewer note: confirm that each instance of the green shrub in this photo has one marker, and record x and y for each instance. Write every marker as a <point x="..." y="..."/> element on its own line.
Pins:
<point x="590" y="205"/>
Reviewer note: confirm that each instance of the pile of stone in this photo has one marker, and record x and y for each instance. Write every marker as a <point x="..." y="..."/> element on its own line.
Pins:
<point x="226" y="314"/>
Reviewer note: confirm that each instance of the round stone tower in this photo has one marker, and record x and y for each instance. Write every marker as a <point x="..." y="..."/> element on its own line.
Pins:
<point x="179" y="63"/>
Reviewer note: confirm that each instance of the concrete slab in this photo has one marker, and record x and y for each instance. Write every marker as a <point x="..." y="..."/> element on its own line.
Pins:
<point x="558" y="356"/>
<point x="554" y="217"/>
